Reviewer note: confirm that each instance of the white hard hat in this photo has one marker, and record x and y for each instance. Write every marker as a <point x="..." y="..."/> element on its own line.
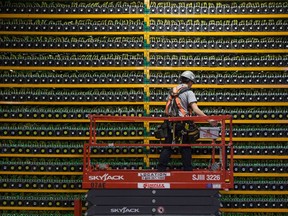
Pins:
<point x="189" y="75"/>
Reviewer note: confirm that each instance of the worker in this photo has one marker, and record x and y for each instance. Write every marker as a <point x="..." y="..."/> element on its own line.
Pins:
<point x="189" y="105"/>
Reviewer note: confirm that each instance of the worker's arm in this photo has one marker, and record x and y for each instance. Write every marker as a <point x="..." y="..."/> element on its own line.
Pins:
<point x="199" y="112"/>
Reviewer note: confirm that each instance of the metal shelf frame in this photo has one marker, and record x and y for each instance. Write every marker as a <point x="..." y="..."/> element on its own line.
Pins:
<point x="146" y="33"/>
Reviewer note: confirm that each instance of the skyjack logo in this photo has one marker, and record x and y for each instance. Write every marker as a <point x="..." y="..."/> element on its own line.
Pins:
<point x="124" y="210"/>
<point x="106" y="177"/>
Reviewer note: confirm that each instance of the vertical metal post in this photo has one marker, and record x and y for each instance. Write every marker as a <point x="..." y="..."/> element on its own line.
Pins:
<point x="223" y="146"/>
<point x="231" y="146"/>
<point x="213" y="151"/>
<point x="77" y="207"/>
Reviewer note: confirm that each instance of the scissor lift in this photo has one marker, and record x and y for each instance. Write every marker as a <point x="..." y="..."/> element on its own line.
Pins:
<point x="148" y="192"/>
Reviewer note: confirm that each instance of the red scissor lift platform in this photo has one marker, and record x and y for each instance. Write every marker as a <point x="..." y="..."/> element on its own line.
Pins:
<point x="124" y="180"/>
<point x="174" y="179"/>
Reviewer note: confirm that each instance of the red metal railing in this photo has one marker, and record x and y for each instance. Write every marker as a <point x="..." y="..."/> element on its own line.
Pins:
<point x="221" y="178"/>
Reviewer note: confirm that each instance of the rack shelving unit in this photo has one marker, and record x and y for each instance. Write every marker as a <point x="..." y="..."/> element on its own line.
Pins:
<point x="146" y="86"/>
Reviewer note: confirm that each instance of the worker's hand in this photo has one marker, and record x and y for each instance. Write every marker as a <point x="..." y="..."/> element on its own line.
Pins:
<point x="213" y="123"/>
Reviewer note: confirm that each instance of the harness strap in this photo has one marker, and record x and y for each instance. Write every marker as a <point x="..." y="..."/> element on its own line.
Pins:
<point x="177" y="99"/>
<point x="181" y="109"/>
<point x="175" y="93"/>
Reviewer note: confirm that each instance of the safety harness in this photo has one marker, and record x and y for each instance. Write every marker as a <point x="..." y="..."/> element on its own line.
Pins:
<point x="173" y="106"/>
